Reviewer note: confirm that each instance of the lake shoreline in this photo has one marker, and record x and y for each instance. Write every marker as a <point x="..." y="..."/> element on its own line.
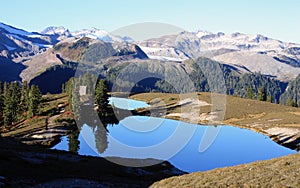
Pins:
<point x="52" y="135"/>
<point x="24" y="165"/>
<point x="286" y="136"/>
<point x="157" y="111"/>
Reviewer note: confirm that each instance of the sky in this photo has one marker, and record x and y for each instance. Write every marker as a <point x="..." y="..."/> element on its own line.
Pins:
<point x="273" y="18"/>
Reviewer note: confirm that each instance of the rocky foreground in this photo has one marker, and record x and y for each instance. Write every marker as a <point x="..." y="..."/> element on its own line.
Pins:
<point x="31" y="166"/>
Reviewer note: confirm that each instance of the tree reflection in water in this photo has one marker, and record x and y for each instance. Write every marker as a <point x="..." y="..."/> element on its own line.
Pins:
<point x="74" y="142"/>
<point x="90" y="117"/>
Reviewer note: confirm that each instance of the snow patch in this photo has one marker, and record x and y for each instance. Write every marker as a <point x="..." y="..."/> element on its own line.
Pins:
<point x="34" y="36"/>
<point x="43" y="45"/>
<point x="164" y="54"/>
<point x="98" y="34"/>
<point x="163" y="58"/>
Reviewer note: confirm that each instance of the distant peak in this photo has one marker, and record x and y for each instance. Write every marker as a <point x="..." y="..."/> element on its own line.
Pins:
<point x="236" y="34"/>
<point x="202" y="33"/>
<point x="56" y="30"/>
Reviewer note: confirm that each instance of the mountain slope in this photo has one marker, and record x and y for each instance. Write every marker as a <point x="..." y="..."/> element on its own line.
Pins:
<point x="248" y="53"/>
<point x="9" y="70"/>
<point x="17" y="44"/>
<point x="50" y="69"/>
<point x="262" y="63"/>
<point x="31" y="55"/>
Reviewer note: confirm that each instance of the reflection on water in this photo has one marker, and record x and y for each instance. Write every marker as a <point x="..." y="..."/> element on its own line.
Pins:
<point x="129" y="139"/>
<point x="73" y="142"/>
<point x="175" y="141"/>
<point x="128" y="104"/>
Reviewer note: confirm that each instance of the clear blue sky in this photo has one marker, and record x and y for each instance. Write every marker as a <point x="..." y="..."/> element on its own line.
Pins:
<point x="274" y="18"/>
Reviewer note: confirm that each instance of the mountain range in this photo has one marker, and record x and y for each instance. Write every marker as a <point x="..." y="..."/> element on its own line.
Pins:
<point x="248" y="53"/>
<point x="27" y="56"/>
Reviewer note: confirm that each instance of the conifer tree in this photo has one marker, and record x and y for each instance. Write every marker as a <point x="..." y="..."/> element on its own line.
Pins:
<point x="75" y="98"/>
<point x="261" y="96"/>
<point x="250" y="93"/>
<point x="24" y="97"/>
<point x="11" y="103"/>
<point x="101" y="95"/>
<point x="35" y="97"/>
<point x="291" y="102"/>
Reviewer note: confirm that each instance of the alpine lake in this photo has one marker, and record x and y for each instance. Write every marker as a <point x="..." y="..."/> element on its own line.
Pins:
<point x="184" y="145"/>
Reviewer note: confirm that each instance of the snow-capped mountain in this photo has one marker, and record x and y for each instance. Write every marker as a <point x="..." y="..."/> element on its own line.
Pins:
<point x="99" y="34"/>
<point x="248" y="53"/>
<point x="198" y="43"/>
<point x="53" y="30"/>
<point x="19" y="44"/>
<point x="16" y="42"/>
<point x="92" y="33"/>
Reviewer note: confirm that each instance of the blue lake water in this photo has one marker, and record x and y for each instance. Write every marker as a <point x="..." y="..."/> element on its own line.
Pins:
<point x="177" y="142"/>
<point x="128" y="104"/>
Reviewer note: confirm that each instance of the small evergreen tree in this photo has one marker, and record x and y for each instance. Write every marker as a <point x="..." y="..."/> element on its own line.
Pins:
<point x="24" y="97"/>
<point x="291" y="102"/>
<point x="35" y="98"/>
<point x="250" y="94"/>
<point x="69" y="89"/>
<point x="11" y="103"/>
<point x="261" y="96"/>
<point x="76" y="103"/>
<point x="101" y="95"/>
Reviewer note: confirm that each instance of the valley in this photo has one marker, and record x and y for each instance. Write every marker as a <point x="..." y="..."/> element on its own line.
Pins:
<point x="237" y="80"/>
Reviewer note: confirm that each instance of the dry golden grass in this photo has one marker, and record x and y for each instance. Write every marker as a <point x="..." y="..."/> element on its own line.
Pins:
<point x="49" y="105"/>
<point x="280" y="172"/>
<point x="236" y="108"/>
<point x="239" y="111"/>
